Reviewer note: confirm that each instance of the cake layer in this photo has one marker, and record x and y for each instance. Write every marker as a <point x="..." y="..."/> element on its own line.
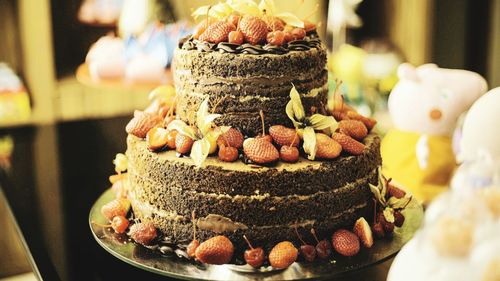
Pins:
<point x="240" y="85"/>
<point x="305" y="177"/>
<point x="261" y="202"/>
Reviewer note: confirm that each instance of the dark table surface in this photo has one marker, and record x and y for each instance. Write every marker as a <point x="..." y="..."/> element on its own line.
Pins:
<point x="57" y="173"/>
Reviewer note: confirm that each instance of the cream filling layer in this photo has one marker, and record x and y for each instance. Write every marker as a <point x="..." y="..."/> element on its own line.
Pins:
<point x="267" y="196"/>
<point x="310" y="94"/>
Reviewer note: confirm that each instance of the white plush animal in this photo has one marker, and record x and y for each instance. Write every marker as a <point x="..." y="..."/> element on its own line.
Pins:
<point x="424" y="107"/>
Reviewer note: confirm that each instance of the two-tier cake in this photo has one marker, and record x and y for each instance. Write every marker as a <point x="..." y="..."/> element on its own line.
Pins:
<point x="250" y="152"/>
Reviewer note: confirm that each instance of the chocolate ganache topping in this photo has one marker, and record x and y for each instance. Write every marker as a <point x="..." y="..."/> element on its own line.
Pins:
<point x="311" y="41"/>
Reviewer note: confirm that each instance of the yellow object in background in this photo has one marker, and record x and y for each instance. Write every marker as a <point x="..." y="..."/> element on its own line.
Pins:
<point x="14" y="107"/>
<point x="424" y="178"/>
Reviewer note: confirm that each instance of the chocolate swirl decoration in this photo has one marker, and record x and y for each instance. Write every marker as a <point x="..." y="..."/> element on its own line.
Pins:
<point x="311" y="41"/>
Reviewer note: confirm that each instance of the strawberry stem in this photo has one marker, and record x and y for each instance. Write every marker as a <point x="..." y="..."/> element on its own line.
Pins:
<point x="313" y="232"/>
<point x="248" y="242"/>
<point x="100" y="224"/>
<point x="298" y="235"/>
<point x="294" y="137"/>
<point x="262" y="120"/>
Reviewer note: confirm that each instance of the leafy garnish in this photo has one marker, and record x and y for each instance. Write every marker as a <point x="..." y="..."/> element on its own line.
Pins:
<point x="201" y="133"/>
<point x="296" y="113"/>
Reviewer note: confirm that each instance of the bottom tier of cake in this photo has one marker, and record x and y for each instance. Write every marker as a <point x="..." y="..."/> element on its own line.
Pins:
<point x="264" y="203"/>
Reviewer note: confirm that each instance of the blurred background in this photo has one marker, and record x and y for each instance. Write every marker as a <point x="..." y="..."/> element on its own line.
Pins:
<point x="48" y="76"/>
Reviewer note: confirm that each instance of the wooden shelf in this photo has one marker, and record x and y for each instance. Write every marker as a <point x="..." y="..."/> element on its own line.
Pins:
<point x="83" y="76"/>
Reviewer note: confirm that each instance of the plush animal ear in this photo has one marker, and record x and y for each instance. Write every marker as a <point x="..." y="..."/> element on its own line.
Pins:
<point x="407" y="71"/>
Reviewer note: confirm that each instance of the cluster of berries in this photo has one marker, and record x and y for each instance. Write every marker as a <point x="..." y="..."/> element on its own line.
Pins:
<point x="239" y="29"/>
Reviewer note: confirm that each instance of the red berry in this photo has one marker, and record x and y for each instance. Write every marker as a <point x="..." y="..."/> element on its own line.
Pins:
<point x="143" y="233"/>
<point x="276" y="38"/>
<point x="183" y="143"/>
<point x="289" y="154"/>
<point x="191" y="248"/>
<point x="309" y="252"/>
<point x="288" y="36"/>
<point x="254" y="257"/>
<point x="298" y="33"/>
<point x="171" y="139"/>
<point x="399" y="219"/>
<point x="119" y="224"/>
<point x="378" y="230"/>
<point x="228" y="154"/>
<point x="324" y="249"/>
<point x="236" y="37"/>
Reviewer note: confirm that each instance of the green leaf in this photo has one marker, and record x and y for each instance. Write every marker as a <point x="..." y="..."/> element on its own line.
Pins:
<point x="219" y="11"/>
<point x="182" y="128"/>
<point x="268" y="6"/>
<point x="244" y="7"/>
<point x="199" y="151"/>
<point x="290" y="19"/>
<point x="322" y="122"/>
<point x="310" y="142"/>
<point x="376" y="192"/>
<point x="400" y="203"/>
<point x="389" y="214"/>
<point x="298" y="108"/>
<point x="204" y="120"/>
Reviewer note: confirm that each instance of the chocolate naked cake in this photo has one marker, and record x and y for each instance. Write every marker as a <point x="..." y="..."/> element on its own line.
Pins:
<point x="249" y="150"/>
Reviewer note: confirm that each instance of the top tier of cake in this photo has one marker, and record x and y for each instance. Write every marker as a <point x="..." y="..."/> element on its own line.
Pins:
<point x="241" y="80"/>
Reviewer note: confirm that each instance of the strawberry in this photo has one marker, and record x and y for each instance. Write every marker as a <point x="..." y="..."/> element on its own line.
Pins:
<point x="119" y="224"/>
<point x="399" y="219"/>
<point x="217" y="32"/>
<point x="216" y="250"/>
<point x="236" y="37"/>
<point x="309" y="26"/>
<point x="276" y="38"/>
<point x="200" y="28"/>
<point x="157" y="138"/>
<point x="172" y="135"/>
<point x="267" y="138"/>
<point x="274" y="24"/>
<point x="353" y="128"/>
<point x="284" y="136"/>
<point x="183" y="143"/>
<point x="327" y="148"/>
<point x="395" y="191"/>
<point x="345" y="242"/>
<point x="232" y="137"/>
<point x="142" y="122"/>
<point x="117" y="207"/>
<point x="260" y="151"/>
<point x="228" y="153"/>
<point x="254" y="29"/>
<point x="288" y="36"/>
<point x="289" y="154"/>
<point x="369" y="122"/>
<point x="283" y="255"/>
<point x="349" y="144"/>
<point x="298" y="33"/>
<point x="363" y="231"/>
<point x="143" y="232"/>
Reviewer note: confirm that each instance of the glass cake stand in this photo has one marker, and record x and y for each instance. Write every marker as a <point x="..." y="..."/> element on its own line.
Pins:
<point x="153" y="261"/>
